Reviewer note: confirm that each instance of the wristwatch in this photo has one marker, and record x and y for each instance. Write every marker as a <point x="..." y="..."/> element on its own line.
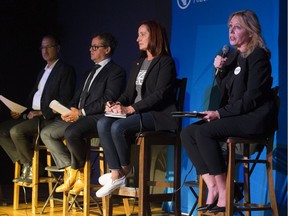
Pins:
<point x="80" y="113"/>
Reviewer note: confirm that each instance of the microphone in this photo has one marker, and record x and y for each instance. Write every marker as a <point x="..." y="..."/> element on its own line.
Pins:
<point x="225" y="50"/>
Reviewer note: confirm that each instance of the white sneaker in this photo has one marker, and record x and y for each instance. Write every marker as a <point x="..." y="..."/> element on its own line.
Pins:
<point x="103" y="179"/>
<point x="110" y="186"/>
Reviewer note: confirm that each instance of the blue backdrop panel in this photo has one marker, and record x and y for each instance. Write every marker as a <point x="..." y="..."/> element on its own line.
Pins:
<point x="199" y="31"/>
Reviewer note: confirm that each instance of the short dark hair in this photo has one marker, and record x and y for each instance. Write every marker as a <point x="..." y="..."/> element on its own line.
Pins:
<point x="53" y="38"/>
<point x="108" y="40"/>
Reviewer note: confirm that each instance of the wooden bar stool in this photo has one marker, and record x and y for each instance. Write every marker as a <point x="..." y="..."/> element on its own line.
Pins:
<point x="36" y="180"/>
<point x="145" y="141"/>
<point x="247" y="205"/>
<point x="87" y="188"/>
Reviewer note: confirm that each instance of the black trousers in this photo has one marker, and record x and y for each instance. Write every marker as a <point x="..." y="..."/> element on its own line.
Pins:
<point x="201" y="142"/>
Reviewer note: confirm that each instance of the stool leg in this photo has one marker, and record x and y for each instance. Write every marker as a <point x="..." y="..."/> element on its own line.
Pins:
<point x="269" y="170"/>
<point x="246" y="170"/>
<point x="86" y="195"/>
<point x="50" y="183"/>
<point x="106" y="208"/>
<point x="177" y="174"/>
<point x="126" y="206"/>
<point x="230" y="180"/>
<point x="35" y="180"/>
<point x="17" y="170"/>
<point x="202" y="194"/>
<point x="65" y="203"/>
<point x="144" y="176"/>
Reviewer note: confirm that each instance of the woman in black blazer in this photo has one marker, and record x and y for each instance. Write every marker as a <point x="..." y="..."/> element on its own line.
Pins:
<point x="247" y="108"/>
<point x="147" y="101"/>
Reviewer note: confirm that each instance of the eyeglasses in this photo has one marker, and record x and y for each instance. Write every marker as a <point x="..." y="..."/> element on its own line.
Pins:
<point x="47" y="47"/>
<point x="94" y="47"/>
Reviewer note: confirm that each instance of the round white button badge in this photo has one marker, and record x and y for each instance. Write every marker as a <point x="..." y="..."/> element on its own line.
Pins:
<point x="237" y="70"/>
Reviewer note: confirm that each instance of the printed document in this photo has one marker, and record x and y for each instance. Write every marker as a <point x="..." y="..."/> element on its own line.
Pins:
<point x="14" y="107"/>
<point x="58" y="107"/>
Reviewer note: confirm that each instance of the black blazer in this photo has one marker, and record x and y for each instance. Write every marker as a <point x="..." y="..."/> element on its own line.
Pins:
<point x="59" y="86"/>
<point x="107" y="86"/>
<point x="248" y="92"/>
<point x="157" y="91"/>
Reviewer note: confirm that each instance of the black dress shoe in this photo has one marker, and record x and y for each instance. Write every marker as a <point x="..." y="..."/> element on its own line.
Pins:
<point x="28" y="178"/>
<point x="216" y="209"/>
<point x="24" y="174"/>
<point x="207" y="207"/>
<point x="204" y="207"/>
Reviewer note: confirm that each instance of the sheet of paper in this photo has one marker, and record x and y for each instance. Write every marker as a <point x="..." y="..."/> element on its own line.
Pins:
<point x="12" y="105"/>
<point x="58" y="107"/>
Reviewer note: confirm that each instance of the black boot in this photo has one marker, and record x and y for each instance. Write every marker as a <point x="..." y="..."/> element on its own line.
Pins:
<point x="28" y="178"/>
<point x="25" y="172"/>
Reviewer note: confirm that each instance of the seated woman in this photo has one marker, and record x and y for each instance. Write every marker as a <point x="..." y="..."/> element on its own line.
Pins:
<point x="247" y="107"/>
<point x="147" y="101"/>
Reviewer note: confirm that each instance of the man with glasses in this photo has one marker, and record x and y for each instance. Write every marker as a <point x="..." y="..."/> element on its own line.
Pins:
<point x="56" y="81"/>
<point x="105" y="82"/>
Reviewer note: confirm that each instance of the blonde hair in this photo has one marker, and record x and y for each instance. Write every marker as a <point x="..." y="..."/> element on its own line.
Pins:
<point x="249" y="20"/>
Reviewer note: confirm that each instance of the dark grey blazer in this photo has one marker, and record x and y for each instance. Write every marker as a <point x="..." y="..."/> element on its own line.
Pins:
<point x="248" y="92"/>
<point x="157" y="91"/>
<point x="59" y="86"/>
<point x="107" y="86"/>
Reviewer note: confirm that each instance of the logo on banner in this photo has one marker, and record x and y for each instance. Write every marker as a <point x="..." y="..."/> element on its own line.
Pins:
<point x="183" y="4"/>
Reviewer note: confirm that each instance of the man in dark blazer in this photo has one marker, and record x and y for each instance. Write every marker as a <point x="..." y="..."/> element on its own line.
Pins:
<point x="104" y="83"/>
<point x="55" y="82"/>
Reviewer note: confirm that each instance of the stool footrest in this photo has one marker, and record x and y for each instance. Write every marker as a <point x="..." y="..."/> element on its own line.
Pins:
<point x="160" y="184"/>
<point x="250" y="161"/>
<point x="191" y="183"/>
<point x="251" y="206"/>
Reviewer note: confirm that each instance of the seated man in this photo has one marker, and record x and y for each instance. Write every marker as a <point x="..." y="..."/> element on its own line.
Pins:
<point x="56" y="81"/>
<point x="104" y="83"/>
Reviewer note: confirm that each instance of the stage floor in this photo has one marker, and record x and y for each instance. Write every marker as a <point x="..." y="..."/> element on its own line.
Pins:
<point x="6" y="202"/>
